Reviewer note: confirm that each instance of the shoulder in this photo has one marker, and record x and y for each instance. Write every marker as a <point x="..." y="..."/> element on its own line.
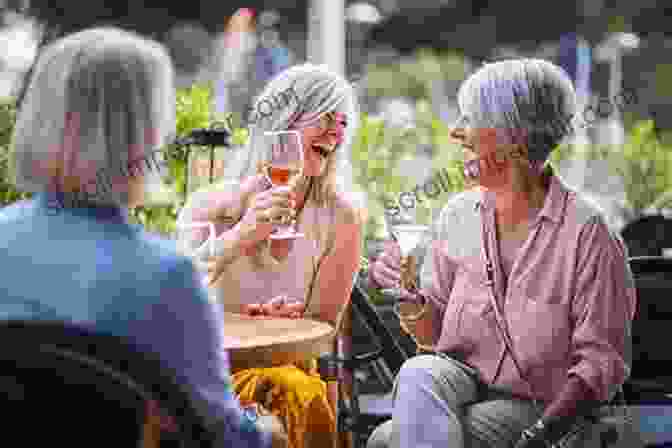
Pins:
<point x="163" y="256"/>
<point x="582" y="209"/>
<point x="349" y="208"/>
<point x="588" y="222"/>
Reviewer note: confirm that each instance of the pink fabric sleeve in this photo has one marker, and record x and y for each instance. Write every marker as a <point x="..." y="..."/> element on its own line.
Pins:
<point x="602" y="311"/>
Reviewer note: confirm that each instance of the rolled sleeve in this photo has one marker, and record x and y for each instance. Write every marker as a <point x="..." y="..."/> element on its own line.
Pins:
<point x="602" y="311"/>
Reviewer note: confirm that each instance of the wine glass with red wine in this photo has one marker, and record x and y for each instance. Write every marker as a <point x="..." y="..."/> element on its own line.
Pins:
<point x="283" y="166"/>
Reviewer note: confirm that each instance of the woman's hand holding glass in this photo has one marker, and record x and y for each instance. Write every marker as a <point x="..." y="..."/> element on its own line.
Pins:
<point x="257" y="224"/>
<point x="274" y="205"/>
<point x="388" y="271"/>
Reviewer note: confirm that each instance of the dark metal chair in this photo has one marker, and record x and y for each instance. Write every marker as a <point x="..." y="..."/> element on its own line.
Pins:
<point x="360" y="413"/>
<point x="649" y="389"/>
<point x="62" y="383"/>
<point x="648" y="235"/>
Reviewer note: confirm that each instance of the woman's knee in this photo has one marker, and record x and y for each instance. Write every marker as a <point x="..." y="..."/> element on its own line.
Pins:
<point x="421" y="364"/>
<point x="435" y="367"/>
<point x="448" y="377"/>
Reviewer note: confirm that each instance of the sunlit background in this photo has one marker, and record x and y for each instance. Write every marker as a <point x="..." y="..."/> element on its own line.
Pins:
<point x="407" y="59"/>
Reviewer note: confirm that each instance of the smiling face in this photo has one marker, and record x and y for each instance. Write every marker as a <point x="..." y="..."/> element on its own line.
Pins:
<point x="320" y="140"/>
<point x="488" y="155"/>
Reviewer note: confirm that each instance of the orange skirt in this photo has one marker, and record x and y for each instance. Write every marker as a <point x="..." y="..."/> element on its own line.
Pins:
<point x="297" y="395"/>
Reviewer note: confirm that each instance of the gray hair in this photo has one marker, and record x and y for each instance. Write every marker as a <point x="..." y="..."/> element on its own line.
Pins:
<point x="530" y="98"/>
<point x="307" y="91"/>
<point x="99" y="100"/>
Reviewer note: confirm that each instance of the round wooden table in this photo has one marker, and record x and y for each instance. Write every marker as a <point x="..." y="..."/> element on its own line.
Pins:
<point x="254" y="342"/>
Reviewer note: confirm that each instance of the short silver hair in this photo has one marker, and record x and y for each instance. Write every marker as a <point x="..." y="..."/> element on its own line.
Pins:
<point x="99" y="101"/>
<point x="299" y="95"/>
<point x="525" y="98"/>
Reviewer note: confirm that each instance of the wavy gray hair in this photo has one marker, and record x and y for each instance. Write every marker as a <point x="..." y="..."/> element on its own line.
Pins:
<point x="99" y="101"/>
<point x="314" y="91"/>
<point x="525" y="98"/>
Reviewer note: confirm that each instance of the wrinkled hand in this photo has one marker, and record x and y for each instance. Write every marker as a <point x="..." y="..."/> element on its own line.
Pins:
<point x="386" y="271"/>
<point x="279" y="306"/>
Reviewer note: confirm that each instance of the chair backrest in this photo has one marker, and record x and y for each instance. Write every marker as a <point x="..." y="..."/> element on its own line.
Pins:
<point x="648" y="236"/>
<point x="362" y="308"/>
<point x="653" y="280"/>
<point x="63" y="379"/>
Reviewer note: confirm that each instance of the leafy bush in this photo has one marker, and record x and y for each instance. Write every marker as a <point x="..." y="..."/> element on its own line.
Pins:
<point x="644" y="163"/>
<point x="8" y="193"/>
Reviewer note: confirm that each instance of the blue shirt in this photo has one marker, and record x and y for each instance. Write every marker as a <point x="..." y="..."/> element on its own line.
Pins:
<point x="92" y="267"/>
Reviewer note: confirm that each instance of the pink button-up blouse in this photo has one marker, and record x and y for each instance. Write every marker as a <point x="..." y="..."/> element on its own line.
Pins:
<point x="569" y="299"/>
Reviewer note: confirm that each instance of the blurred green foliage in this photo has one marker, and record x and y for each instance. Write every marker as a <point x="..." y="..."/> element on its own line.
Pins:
<point x="380" y="150"/>
<point x="644" y="163"/>
<point x="8" y="193"/>
<point x="192" y="111"/>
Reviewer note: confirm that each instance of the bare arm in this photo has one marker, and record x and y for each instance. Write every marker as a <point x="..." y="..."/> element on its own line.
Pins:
<point x="242" y="216"/>
<point x="221" y="206"/>
<point x="334" y="281"/>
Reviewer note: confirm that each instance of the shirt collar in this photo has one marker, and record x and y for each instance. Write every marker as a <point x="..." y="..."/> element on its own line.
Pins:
<point x="554" y="203"/>
<point x="57" y="203"/>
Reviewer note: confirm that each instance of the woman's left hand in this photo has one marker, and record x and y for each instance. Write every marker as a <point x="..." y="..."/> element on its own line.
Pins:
<point x="279" y="306"/>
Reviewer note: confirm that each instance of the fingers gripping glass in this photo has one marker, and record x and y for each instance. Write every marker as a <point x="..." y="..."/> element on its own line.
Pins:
<point x="282" y="165"/>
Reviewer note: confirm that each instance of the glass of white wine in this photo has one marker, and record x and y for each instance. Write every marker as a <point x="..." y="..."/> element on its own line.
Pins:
<point x="282" y="165"/>
<point x="409" y="229"/>
<point x="408" y="232"/>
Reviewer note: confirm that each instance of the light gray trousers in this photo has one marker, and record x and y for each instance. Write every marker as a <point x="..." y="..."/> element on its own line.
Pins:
<point x="440" y="403"/>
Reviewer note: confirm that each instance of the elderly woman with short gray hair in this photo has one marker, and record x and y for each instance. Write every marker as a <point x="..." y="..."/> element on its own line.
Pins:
<point x="526" y="298"/>
<point x="99" y="109"/>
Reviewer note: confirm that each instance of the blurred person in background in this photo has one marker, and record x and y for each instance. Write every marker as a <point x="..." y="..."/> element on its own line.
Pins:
<point x="310" y="276"/>
<point x="558" y="274"/>
<point x="271" y="55"/>
<point x="98" y="101"/>
<point x="234" y="61"/>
